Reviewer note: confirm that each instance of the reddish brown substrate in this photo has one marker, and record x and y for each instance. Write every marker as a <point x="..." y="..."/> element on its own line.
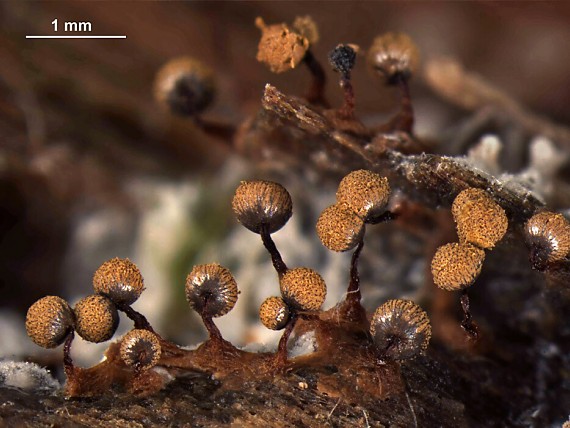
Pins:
<point x="342" y="342"/>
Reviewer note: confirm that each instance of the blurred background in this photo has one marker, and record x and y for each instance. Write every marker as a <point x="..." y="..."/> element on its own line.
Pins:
<point x="91" y="168"/>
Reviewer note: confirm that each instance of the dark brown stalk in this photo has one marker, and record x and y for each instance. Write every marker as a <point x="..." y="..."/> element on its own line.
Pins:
<point x="68" y="365"/>
<point x="281" y="356"/>
<point x="276" y="258"/>
<point x="316" y="92"/>
<point x="347" y="110"/>
<point x="468" y="324"/>
<point x="138" y="319"/>
<point x="221" y="131"/>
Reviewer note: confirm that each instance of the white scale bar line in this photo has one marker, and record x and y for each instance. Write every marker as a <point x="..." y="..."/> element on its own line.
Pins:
<point x="76" y="37"/>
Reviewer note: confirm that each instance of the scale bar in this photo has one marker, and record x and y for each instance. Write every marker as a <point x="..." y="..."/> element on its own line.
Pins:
<point x="76" y="37"/>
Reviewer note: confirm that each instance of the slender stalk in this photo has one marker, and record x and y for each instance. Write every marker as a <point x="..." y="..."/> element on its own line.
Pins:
<point x="213" y="330"/>
<point x="214" y="333"/>
<point x="316" y="93"/>
<point x="281" y="355"/>
<point x="276" y="258"/>
<point x="68" y="365"/>
<point x="468" y="324"/>
<point x="384" y="217"/>
<point x="353" y="292"/>
<point x="405" y="121"/>
<point x="139" y="319"/>
<point x="347" y="110"/>
<point x="221" y="131"/>
<point x="350" y="309"/>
